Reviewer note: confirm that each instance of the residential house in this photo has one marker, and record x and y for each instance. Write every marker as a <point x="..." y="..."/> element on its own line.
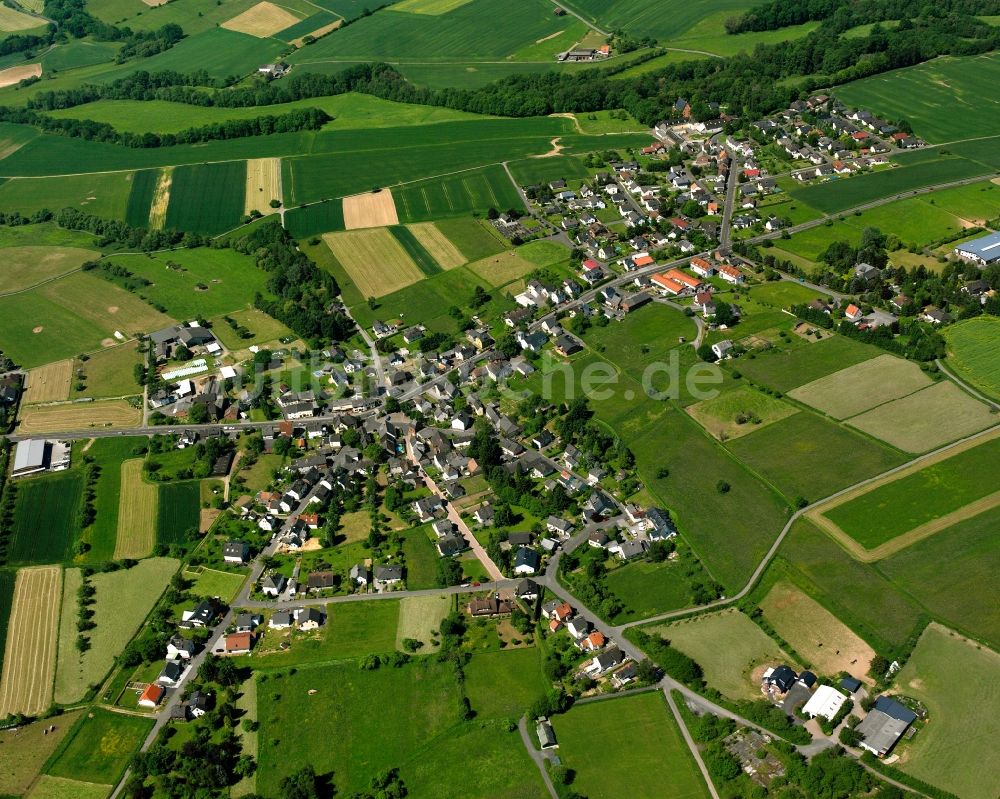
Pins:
<point x="236" y="552"/>
<point x="527" y="561"/>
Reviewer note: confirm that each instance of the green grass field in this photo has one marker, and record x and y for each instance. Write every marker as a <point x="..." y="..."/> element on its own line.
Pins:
<point x="109" y="373"/>
<point x="99" y="747"/>
<point x="784" y="368"/>
<point x="123" y="600"/>
<point x="728" y="646"/>
<point x="198" y="282"/>
<point x="264" y="329"/>
<point x="646" y="16"/>
<point x="45" y="519"/>
<point x="941" y="753"/>
<point x="7" y="577"/>
<point x="505" y="684"/>
<point x="972" y="352"/>
<point x="215" y="583"/>
<point x="474" y="238"/>
<point x="799" y="455"/>
<point x="178" y="511"/>
<point x="28" y="266"/>
<point x="928" y="570"/>
<point x="49" y="787"/>
<point x="100" y="194"/>
<point x="739" y="412"/>
<point x="207" y="198"/>
<point x="421" y="559"/>
<point x="658" y="762"/>
<point x="326" y="217"/>
<point x="108" y="453"/>
<point x="648" y="588"/>
<point x="26" y="749"/>
<point x="474" y="191"/>
<point x="533" y="171"/>
<point x="916" y="94"/>
<point x="140" y="197"/>
<point x="783" y="294"/>
<point x="423" y="259"/>
<point x="897" y="507"/>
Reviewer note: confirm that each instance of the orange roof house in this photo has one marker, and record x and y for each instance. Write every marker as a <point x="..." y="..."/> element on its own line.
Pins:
<point x="153" y="695"/>
<point x="239" y="643"/>
<point x="668" y="284"/>
<point x="684" y="277"/>
<point x="643" y="260"/>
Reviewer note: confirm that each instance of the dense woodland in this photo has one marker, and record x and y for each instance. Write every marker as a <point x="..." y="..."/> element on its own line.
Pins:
<point x="843" y="15"/>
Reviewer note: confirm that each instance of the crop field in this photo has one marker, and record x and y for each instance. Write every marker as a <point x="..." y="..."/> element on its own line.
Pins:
<point x="915" y="93"/>
<point x="420" y="617"/>
<point x="423" y="259"/>
<point x="49" y="787"/>
<point x="122" y="601"/>
<point x="324" y="217"/>
<point x="12" y="21"/>
<point x="262" y="20"/>
<point x="207" y="198"/>
<point x="317" y="25"/>
<point x="795" y="454"/>
<point x="78" y="416"/>
<point x="977" y="202"/>
<point x="372" y="209"/>
<point x="45" y="518"/>
<point x="198" y="282"/>
<point x="178" y="512"/>
<point x="928" y="419"/>
<point x="972" y="352"/>
<point x="30" y="652"/>
<point x="375" y="261"/>
<point x="263" y="185"/>
<point x="137" y="513"/>
<point x="109" y="373"/>
<point x="863" y="386"/>
<point x="739" y="412"/>
<point x="533" y="171"/>
<point x="437" y="245"/>
<point x="7" y="579"/>
<point x="943" y="753"/>
<point x="26" y="748"/>
<point x="78" y="53"/>
<point x="14" y="75"/>
<point x="786" y="369"/>
<point x="816" y="634"/>
<point x="140" y="198"/>
<point x="917" y="495"/>
<point x="469" y="192"/>
<point x="658" y="763"/>
<point x="100" y="746"/>
<point x="504" y="684"/>
<point x="648" y="17"/>
<point x="49" y="383"/>
<point x="215" y="583"/>
<point x="24" y="267"/>
<point x="474" y="238"/>
<point x="729" y="647"/>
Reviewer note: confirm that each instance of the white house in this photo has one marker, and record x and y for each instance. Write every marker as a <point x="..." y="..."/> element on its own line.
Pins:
<point x="826" y="702"/>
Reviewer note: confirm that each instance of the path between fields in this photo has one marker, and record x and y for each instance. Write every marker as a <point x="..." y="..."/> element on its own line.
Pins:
<point x="963" y="385"/>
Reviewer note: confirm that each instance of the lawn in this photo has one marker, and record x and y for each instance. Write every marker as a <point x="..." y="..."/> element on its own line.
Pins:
<point x="785" y="369"/>
<point x="928" y="419"/>
<point x="730" y="648"/>
<point x="658" y="763"/>
<point x="944" y="753"/>
<point x="863" y="386"/>
<point x="972" y="352"/>
<point x="179" y="511"/>
<point x="807" y="456"/>
<point x="200" y="282"/>
<point x="29" y="265"/>
<point x="207" y="198"/>
<point x="25" y="750"/>
<point x="505" y="684"/>
<point x="353" y="629"/>
<point x="46" y="521"/>
<point x="896" y="507"/>
<point x="739" y="412"/>
<point x="927" y="571"/>
<point x="648" y="588"/>
<point x="100" y="746"/>
<point x="123" y="599"/>
<point x="420" y="619"/>
<point x="421" y="559"/>
<point x="214" y="583"/>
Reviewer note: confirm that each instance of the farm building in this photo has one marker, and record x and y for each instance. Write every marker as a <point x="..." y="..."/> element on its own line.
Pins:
<point x="983" y="251"/>
<point x="826" y="702"/>
<point x="152" y="696"/>
<point x="884" y="725"/>
<point x="34" y="455"/>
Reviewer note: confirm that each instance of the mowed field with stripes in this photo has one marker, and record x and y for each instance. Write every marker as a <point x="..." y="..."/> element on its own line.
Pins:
<point x="30" y="651"/>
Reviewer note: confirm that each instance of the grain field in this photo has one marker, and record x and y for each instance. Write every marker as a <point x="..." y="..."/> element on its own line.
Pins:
<point x="49" y="383"/>
<point x="137" y="513"/>
<point x="263" y="185"/>
<point x="161" y="199"/>
<point x="437" y="245"/>
<point x="30" y="653"/>
<point x="372" y="209"/>
<point x="262" y="20"/>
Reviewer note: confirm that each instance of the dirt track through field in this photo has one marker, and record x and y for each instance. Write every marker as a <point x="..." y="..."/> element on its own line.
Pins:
<point x="49" y="383"/>
<point x="858" y="552"/>
<point x="373" y="209"/>
<point x="13" y="75"/>
<point x="263" y="185"/>
<point x="161" y="199"/>
<point x="137" y="511"/>
<point x="30" y="653"/>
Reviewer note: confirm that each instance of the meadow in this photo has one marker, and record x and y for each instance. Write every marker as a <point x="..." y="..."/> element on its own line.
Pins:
<point x="263" y="329"/>
<point x="943" y="753"/>
<point x="474" y="238"/>
<point x="207" y="198"/>
<point x="709" y="36"/>
<point x="468" y="192"/>
<point x="215" y="583"/>
<point x="30" y="649"/>
<point x="787" y="366"/>
<point x="122" y="601"/>
<point x="729" y="647"/>
<point x="648" y="588"/>
<point x="99" y="747"/>
<point x="178" y="511"/>
<point x="918" y="93"/>
<point x="972" y="352"/>
<point x="102" y="535"/>
<point x="24" y="267"/>
<point x="46" y="520"/>
<point x="797" y="455"/>
<point x="137" y="513"/>
<point x="108" y="373"/>
<point x="26" y="749"/>
<point x="739" y="412"/>
<point x="658" y="763"/>
<point x="504" y="684"/>
<point x="420" y="616"/>
<point x="647" y="17"/>
<point x="199" y="282"/>
<point x="421" y="559"/>
<point x="100" y="194"/>
<point x="900" y="505"/>
<point x="49" y="787"/>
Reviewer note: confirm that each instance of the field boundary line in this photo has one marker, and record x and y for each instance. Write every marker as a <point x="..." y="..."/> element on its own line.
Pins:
<point x="972" y="391"/>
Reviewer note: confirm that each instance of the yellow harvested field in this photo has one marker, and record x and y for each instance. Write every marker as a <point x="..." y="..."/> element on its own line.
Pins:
<point x="500" y="269"/>
<point x="155" y="3"/>
<point x="437" y="245"/>
<point x="78" y="416"/>
<point x="372" y="209"/>
<point x="49" y="383"/>
<point x="376" y="262"/>
<point x="429" y="7"/>
<point x="263" y="185"/>
<point x="137" y="508"/>
<point x="11" y="20"/>
<point x="161" y="199"/>
<point x="14" y="75"/>
<point x="262" y="20"/>
<point x="815" y="633"/>
<point x="49" y="787"/>
<point x="317" y="33"/>
<point x="29" y="665"/>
